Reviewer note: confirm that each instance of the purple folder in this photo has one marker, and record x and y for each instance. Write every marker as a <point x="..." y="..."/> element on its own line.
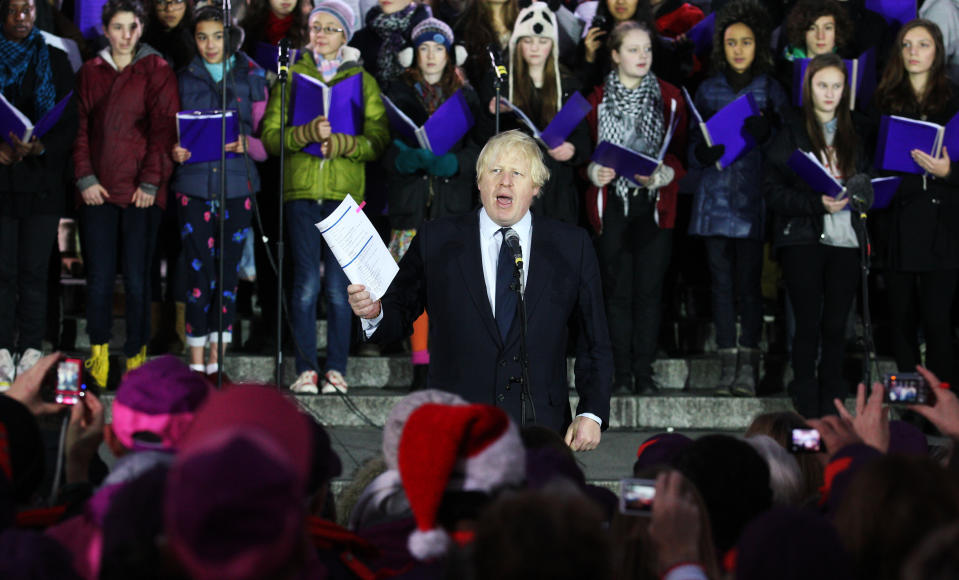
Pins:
<point x="265" y="55"/>
<point x="201" y="133"/>
<point x="87" y="15"/>
<point x="626" y="162"/>
<point x="813" y="173"/>
<point x="725" y="127"/>
<point x="341" y="103"/>
<point x="884" y="188"/>
<point x="12" y="120"/>
<point x="444" y="129"/>
<point x="702" y="34"/>
<point x="563" y="124"/>
<point x="896" y="12"/>
<point x="898" y="136"/>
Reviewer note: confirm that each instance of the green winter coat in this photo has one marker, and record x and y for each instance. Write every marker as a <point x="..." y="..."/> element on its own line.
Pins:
<point x="309" y="177"/>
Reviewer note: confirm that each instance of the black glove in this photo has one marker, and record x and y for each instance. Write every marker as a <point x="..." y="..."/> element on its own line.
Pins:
<point x="758" y="127"/>
<point x="859" y="191"/>
<point x="708" y="155"/>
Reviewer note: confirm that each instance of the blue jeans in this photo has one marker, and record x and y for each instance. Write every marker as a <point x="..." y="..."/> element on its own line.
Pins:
<point x="107" y="228"/>
<point x="309" y="251"/>
<point x="736" y="266"/>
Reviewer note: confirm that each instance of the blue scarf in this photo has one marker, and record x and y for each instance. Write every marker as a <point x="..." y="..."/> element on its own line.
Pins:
<point x="17" y="57"/>
<point x="216" y="70"/>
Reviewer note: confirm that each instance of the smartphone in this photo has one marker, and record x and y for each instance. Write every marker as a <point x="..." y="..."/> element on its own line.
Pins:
<point x="805" y="441"/>
<point x="69" y="386"/>
<point x="636" y="496"/>
<point x="907" y="389"/>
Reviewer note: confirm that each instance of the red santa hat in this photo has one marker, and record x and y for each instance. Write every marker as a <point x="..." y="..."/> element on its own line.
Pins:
<point x="454" y="448"/>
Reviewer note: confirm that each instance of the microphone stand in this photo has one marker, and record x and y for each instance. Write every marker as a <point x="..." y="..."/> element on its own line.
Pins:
<point x="528" y="410"/>
<point x="862" y="235"/>
<point x="283" y="64"/>
<point x="221" y="198"/>
<point x="499" y="71"/>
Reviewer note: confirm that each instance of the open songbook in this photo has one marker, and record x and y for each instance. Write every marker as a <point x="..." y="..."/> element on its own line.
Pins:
<point x="341" y="103"/>
<point x="12" y="120"/>
<point x="860" y="71"/>
<point x="898" y="136"/>
<point x="563" y="124"/>
<point x="726" y="128"/>
<point x="445" y="127"/>
<point x="817" y="176"/>
<point x="629" y="163"/>
<point x="201" y="133"/>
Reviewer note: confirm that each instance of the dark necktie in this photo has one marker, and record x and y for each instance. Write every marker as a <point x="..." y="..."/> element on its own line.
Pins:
<point x="505" y="296"/>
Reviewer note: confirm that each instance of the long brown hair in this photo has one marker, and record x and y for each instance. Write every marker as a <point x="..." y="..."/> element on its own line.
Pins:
<point x="475" y="30"/>
<point x="524" y="89"/>
<point x="895" y="95"/>
<point x="254" y="25"/>
<point x="845" y="142"/>
<point x="450" y="81"/>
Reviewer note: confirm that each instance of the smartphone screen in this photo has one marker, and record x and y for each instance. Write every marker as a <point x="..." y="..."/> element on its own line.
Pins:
<point x="69" y="388"/>
<point x="907" y="389"/>
<point x="805" y="441"/>
<point x="636" y="496"/>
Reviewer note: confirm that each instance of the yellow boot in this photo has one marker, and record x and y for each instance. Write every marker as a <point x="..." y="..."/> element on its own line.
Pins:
<point x="138" y="359"/>
<point x="98" y="365"/>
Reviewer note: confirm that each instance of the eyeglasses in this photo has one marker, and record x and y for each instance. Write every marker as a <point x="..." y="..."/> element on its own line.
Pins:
<point x="326" y="29"/>
<point x="169" y="4"/>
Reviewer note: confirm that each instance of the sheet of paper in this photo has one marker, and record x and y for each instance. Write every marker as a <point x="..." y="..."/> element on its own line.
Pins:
<point x="358" y="248"/>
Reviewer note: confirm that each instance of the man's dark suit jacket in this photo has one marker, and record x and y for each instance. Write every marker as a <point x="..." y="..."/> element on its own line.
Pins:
<point x="443" y="272"/>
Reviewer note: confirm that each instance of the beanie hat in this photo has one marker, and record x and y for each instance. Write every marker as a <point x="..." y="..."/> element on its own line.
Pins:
<point x="478" y="444"/>
<point x="435" y="30"/>
<point x="400" y="413"/>
<point x="660" y="449"/>
<point x="159" y="398"/>
<point x="340" y="11"/>
<point x="234" y="506"/>
<point x="535" y="20"/>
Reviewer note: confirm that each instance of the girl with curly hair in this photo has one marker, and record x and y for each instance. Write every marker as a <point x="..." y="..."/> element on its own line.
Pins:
<point x="728" y="210"/>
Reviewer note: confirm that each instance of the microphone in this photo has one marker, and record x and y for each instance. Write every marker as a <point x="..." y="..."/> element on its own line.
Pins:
<point x="512" y="240"/>
<point x="861" y="195"/>
<point x="283" y="58"/>
<point x="499" y="69"/>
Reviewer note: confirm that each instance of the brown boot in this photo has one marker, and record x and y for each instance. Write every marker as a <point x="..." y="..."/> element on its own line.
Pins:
<point x="181" y="325"/>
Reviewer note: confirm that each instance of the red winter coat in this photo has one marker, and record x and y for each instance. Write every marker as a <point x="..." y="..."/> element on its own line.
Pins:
<point x="666" y="203"/>
<point x="127" y="126"/>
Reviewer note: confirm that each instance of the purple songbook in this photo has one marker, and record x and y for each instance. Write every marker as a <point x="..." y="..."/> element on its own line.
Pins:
<point x="265" y="55"/>
<point x="628" y="163"/>
<point x="87" y="15"/>
<point x="725" y="128"/>
<point x="563" y="124"/>
<point x="898" y="136"/>
<point x="12" y="120"/>
<point x="702" y="34"/>
<point x="812" y="171"/>
<point x="896" y="12"/>
<point x="445" y="127"/>
<point x="860" y="71"/>
<point x="201" y="133"/>
<point x="884" y="188"/>
<point x="341" y="103"/>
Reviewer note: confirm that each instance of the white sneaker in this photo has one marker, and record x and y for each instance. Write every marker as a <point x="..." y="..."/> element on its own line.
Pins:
<point x="333" y="382"/>
<point x="305" y="384"/>
<point x="28" y="359"/>
<point x="7" y="370"/>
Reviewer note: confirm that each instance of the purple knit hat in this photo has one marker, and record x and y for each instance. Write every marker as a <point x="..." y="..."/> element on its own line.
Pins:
<point x="234" y="507"/>
<point x="160" y="398"/>
<point x="907" y="439"/>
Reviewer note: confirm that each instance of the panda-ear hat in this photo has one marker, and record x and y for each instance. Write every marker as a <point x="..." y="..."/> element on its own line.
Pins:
<point x="536" y="20"/>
